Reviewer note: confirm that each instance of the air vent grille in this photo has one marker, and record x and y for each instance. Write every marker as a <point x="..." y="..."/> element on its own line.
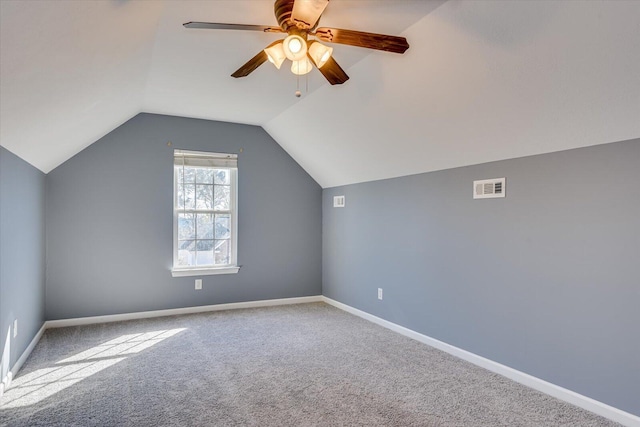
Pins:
<point x="338" y="201"/>
<point x="489" y="188"/>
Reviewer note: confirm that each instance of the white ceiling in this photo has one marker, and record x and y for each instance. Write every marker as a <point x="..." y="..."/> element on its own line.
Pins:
<point x="482" y="81"/>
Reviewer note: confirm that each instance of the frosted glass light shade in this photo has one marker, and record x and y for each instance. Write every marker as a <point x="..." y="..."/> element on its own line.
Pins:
<point x="320" y="53"/>
<point x="276" y="55"/>
<point x="301" y="67"/>
<point x="295" y="47"/>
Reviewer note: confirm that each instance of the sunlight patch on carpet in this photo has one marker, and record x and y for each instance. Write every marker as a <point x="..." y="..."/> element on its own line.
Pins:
<point x="40" y="384"/>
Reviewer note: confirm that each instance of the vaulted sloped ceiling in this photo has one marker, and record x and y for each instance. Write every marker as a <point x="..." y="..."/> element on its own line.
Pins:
<point x="482" y="81"/>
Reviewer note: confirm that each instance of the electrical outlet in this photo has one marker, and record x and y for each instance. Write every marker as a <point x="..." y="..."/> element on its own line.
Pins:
<point x="198" y="283"/>
<point x="380" y="293"/>
<point x="15" y="328"/>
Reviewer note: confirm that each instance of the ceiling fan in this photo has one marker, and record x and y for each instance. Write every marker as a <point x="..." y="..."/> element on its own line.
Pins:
<point x="299" y="20"/>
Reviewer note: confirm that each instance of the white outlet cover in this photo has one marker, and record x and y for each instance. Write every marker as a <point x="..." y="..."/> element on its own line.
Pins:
<point x="198" y="283"/>
<point x="15" y="328"/>
<point x="379" y="293"/>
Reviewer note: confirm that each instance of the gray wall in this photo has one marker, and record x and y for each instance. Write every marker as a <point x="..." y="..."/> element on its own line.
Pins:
<point x="22" y="256"/>
<point x="109" y="222"/>
<point x="546" y="280"/>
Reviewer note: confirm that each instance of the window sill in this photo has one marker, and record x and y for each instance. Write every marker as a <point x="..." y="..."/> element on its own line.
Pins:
<point x="204" y="271"/>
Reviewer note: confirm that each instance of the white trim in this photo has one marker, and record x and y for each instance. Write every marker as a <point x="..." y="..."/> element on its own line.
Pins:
<point x="177" y="271"/>
<point x="234" y="216"/>
<point x="6" y="381"/>
<point x="584" y="402"/>
<point x="177" y="311"/>
<point x="203" y="271"/>
<point x="543" y="386"/>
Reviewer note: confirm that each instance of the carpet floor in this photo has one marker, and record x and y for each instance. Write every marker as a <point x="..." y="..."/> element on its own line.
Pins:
<point x="298" y="365"/>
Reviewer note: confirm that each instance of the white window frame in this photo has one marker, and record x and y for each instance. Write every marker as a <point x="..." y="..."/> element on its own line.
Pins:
<point x="232" y="267"/>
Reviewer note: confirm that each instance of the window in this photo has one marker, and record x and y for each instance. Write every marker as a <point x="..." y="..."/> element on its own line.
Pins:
<point x="205" y="220"/>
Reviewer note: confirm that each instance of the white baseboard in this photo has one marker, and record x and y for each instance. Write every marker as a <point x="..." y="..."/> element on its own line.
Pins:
<point x="535" y="383"/>
<point x="543" y="386"/>
<point x="6" y="381"/>
<point x="176" y="311"/>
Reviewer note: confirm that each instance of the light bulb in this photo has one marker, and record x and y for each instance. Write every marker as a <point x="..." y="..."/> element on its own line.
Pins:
<point x="295" y="47"/>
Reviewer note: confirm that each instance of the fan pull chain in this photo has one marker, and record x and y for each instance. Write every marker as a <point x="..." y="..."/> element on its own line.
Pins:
<point x="298" y="93"/>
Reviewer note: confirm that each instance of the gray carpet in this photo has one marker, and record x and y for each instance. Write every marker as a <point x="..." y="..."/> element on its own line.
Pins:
<point x="302" y="365"/>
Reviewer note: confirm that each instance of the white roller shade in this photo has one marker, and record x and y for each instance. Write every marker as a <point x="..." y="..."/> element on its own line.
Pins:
<point x="204" y="159"/>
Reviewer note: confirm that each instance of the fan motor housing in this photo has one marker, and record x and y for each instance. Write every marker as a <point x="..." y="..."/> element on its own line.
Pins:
<point x="283" y="10"/>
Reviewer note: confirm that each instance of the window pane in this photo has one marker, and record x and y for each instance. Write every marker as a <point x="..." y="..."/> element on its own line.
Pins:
<point x="205" y="226"/>
<point x="186" y="226"/>
<point x="222" y="252"/>
<point x="205" y="252"/>
<point x="204" y="245"/>
<point x="223" y="224"/>
<point x="204" y="196"/>
<point x="222" y="176"/>
<point x="186" y="196"/>
<point x="204" y="176"/>
<point x="186" y="252"/>
<point x="189" y="174"/>
<point x="222" y="199"/>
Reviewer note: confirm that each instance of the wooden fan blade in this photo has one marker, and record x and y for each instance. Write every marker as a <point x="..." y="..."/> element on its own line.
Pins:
<point x="332" y="71"/>
<point x="251" y="65"/>
<point x="307" y="12"/>
<point x="254" y="62"/>
<point x="221" y="26"/>
<point x="361" y="39"/>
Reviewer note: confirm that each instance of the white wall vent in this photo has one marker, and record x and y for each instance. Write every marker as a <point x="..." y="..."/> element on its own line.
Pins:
<point x="338" y="201"/>
<point x="489" y="188"/>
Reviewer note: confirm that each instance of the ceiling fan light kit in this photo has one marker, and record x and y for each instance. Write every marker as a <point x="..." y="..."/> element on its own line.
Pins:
<point x="299" y="20"/>
<point x="295" y="47"/>
<point x="276" y="55"/>
<point x="319" y="53"/>
<point x="301" y="67"/>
